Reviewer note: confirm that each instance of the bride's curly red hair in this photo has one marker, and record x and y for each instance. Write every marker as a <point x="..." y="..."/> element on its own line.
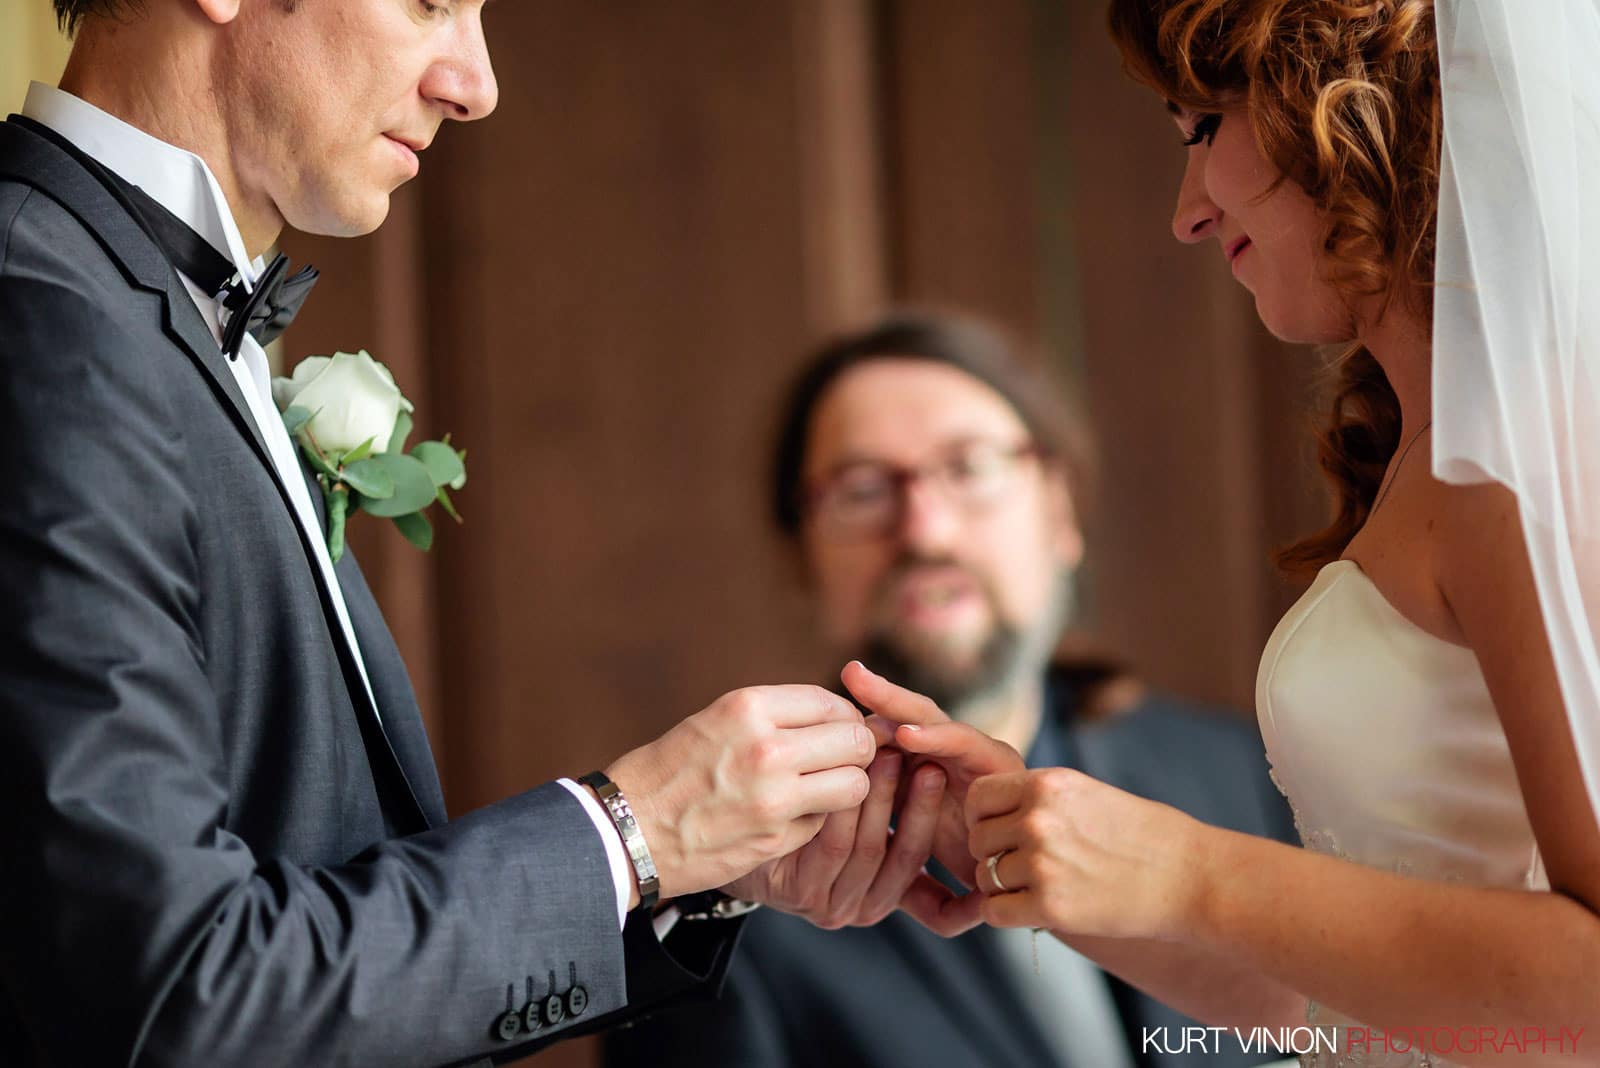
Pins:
<point x="1343" y="98"/>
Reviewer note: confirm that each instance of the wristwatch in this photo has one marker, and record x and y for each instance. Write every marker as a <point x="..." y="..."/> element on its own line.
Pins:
<point x="632" y="837"/>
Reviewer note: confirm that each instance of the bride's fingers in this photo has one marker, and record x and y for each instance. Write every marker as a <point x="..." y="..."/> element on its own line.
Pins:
<point x="887" y="699"/>
<point x="993" y="836"/>
<point x="1002" y="871"/>
<point x="1022" y="909"/>
<point x="931" y="904"/>
<point x="965" y="751"/>
<point x="995" y="795"/>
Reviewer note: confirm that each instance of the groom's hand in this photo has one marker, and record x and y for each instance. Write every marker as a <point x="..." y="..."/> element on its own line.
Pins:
<point x="912" y="722"/>
<point x="857" y="870"/>
<point x="745" y="781"/>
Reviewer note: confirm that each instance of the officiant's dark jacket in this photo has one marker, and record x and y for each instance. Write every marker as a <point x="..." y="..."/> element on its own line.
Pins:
<point x="896" y="994"/>
<point x="213" y="849"/>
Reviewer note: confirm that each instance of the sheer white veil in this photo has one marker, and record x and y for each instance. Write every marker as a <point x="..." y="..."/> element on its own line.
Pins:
<point x="1516" y="374"/>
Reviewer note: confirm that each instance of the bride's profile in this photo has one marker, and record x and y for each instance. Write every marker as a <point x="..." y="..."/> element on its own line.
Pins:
<point x="1405" y="180"/>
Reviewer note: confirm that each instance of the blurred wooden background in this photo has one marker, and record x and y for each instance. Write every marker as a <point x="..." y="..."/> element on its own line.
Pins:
<point x="602" y="290"/>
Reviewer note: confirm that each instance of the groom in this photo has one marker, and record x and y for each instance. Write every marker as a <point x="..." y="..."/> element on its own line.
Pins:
<point x="223" y="836"/>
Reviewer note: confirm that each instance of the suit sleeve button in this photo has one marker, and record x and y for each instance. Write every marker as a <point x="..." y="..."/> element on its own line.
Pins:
<point x="508" y="1025"/>
<point x="577" y="1001"/>
<point x="554" y="1010"/>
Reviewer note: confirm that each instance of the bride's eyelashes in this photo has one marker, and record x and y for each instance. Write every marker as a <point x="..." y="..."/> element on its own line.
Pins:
<point x="1205" y="129"/>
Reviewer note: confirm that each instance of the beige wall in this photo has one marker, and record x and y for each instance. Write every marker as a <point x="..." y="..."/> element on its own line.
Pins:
<point x="31" y="48"/>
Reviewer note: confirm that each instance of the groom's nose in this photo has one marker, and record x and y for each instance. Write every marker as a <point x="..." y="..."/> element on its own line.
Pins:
<point x="461" y="81"/>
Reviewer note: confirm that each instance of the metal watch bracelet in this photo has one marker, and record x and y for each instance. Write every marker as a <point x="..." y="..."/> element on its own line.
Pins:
<point x="616" y="807"/>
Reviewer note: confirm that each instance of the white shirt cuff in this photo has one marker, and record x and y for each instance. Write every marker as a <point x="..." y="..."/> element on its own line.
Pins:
<point x="665" y="921"/>
<point x="621" y="866"/>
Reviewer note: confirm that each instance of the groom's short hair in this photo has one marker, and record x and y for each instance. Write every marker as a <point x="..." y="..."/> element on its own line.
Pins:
<point x="71" y="13"/>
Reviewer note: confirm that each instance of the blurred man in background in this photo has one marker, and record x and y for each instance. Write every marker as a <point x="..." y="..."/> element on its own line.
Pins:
<point x="930" y="487"/>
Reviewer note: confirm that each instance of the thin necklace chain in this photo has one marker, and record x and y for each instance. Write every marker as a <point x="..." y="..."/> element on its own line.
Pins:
<point x="1383" y="493"/>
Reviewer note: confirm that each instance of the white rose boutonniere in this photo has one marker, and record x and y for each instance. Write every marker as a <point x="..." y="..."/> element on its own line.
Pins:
<point x="351" y="422"/>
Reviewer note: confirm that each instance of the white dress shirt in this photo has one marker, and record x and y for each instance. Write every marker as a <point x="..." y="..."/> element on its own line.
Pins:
<point x="181" y="182"/>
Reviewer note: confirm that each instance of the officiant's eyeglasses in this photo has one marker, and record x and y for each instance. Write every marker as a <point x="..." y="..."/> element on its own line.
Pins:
<point x="864" y="498"/>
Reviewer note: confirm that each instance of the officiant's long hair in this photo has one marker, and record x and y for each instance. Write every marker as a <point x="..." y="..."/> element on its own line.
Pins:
<point x="1343" y="98"/>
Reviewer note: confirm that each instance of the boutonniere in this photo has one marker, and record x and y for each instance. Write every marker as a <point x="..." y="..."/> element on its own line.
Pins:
<point x="351" y="422"/>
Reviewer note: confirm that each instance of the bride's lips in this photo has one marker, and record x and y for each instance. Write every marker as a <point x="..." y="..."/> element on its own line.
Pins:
<point x="1237" y="249"/>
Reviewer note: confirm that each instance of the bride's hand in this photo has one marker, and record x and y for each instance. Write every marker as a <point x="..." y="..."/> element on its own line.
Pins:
<point x="1083" y="858"/>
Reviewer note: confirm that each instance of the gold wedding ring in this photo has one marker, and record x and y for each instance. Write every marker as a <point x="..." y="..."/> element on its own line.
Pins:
<point x="994" y="871"/>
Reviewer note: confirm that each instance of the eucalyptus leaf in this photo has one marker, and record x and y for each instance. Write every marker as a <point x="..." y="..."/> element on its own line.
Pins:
<point x="417" y="529"/>
<point x="359" y="453"/>
<point x="370" y="479"/>
<point x="448" y="505"/>
<point x="413" y="488"/>
<point x="296" y="417"/>
<point x="320" y="464"/>
<point x="457" y="483"/>
<point x="443" y="464"/>
<point x="402" y="431"/>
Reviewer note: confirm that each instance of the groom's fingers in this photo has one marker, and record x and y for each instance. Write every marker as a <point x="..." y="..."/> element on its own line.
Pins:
<point x="887" y="699"/>
<point x="853" y="863"/>
<point x="822" y="858"/>
<point x="908" y="849"/>
<point x="822" y="792"/>
<point x="950" y="843"/>
<point x="882" y="730"/>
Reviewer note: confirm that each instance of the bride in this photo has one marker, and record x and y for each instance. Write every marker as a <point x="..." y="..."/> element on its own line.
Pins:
<point x="1419" y="193"/>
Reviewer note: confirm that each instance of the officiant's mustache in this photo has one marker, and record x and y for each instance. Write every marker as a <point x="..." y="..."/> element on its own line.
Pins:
<point x="912" y="566"/>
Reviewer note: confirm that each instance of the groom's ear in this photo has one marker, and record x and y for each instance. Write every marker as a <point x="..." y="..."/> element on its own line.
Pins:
<point x="221" y="12"/>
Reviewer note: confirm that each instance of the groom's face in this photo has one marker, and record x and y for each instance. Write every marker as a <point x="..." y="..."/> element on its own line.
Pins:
<point x="332" y="101"/>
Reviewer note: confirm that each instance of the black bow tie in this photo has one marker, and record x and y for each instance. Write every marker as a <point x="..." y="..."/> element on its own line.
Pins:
<point x="263" y="312"/>
<point x="266" y="311"/>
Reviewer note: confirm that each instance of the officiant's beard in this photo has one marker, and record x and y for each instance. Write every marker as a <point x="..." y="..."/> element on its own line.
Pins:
<point x="1009" y="659"/>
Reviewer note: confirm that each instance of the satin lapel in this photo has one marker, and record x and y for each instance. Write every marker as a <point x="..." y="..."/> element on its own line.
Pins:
<point x="404" y="738"/>
<point x="81" y="187"/>
<point x="33" y="154"/>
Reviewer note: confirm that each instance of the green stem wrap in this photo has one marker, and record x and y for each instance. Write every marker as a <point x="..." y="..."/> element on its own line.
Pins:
<point x="338" y="501"/>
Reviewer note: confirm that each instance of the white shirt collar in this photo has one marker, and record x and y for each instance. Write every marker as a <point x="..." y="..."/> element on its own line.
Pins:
<point x="178" y="180"/>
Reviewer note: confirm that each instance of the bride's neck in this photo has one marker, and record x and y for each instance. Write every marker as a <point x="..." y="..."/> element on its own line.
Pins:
<point x="1402" y="344"/>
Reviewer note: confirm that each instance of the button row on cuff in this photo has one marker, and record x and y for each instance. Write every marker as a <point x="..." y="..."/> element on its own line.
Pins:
<point x="543" y="1012"/>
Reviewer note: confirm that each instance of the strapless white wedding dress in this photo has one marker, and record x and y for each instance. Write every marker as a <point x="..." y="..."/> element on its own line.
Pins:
<point x="1386" y="743"/>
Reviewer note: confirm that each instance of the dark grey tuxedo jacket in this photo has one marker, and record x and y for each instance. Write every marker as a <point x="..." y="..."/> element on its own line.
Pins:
<point x="894" y="994"/>
<point x="212" y="849"/>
